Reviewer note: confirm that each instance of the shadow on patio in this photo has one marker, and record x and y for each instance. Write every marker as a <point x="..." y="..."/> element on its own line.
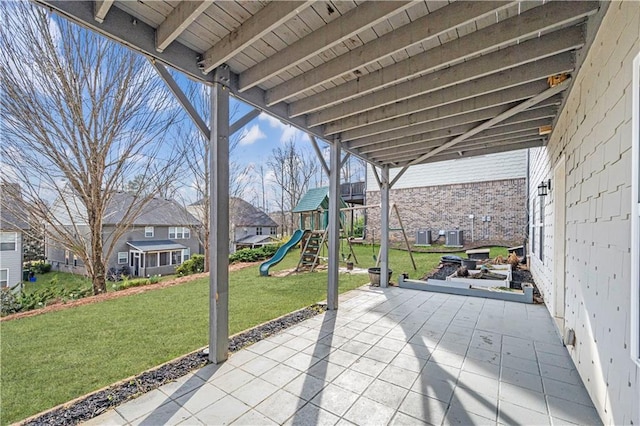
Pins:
<point x="387" y="356"/>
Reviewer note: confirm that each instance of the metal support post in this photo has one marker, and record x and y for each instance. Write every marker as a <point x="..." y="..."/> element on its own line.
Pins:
<point x="334" y="226"/>
<point x="384" y="225"/>
<point x="219" y="218"/>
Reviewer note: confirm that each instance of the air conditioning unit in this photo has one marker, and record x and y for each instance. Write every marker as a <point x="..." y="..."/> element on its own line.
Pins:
<point x="453" y="238"/>
<point x="423" y="237"/>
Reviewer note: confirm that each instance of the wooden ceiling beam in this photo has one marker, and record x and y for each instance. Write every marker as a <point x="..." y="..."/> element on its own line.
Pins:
<point x="529" y="24"/>
<point x="495" y="84"/>
<point x="433" y="139"/>
<point x="382" y="140"/>
<point x="511" y="57"/>
<point x="271" y="16"/>
<point x="425" y="28"/>
<point x="178" y="21"/>
<point x="100" y="9"/>
<point x="357" y="19"/>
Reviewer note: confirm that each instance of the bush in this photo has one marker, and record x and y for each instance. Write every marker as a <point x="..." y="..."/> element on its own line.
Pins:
<point x="254" y="255"/>
<point x="9" y="302"/>
<point x="51" y="293"/>
<point x="195" y="265"/>
<point x="127" y="283"/>
<point x="40" y="267"/>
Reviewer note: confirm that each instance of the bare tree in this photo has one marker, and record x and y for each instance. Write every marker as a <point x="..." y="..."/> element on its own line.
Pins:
<point x="80" y="116"/>
<point x="293" y="170"/>
<point x="261" y="172"/>
<point x="197" y="151"/>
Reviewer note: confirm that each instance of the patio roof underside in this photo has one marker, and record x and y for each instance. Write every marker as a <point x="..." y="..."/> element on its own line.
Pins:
<point x="398" y="83"/>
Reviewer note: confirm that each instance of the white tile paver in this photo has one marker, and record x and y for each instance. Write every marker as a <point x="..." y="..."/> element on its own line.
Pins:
<point x="387" y="357"/>
<point x="224" y="411"/>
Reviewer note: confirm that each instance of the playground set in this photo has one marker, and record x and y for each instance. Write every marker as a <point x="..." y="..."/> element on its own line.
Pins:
<point x="312" y="235"/>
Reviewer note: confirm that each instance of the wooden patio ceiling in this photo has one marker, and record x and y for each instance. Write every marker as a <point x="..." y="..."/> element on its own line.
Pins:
<point x="398" y="82"/>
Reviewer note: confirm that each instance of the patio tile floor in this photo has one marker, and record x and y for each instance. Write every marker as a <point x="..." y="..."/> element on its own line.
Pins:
<point x="386" y="357"/>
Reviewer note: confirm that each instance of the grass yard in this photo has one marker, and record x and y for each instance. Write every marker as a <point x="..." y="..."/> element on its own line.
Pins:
<point x="55" y="357"/>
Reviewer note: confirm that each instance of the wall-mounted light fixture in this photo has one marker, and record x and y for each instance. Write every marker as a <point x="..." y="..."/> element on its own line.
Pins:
<point x="544" y="188"/>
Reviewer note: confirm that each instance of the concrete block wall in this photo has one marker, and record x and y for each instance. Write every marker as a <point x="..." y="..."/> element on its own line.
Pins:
<point x="446" y="207"/>
<point x="593" y="135"/>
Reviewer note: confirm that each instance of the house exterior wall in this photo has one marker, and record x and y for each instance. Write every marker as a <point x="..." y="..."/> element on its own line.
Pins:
<point x="55" y="255"/>
<point x="136" y="233"/>
<point x="12" y="261"/>
<point x="442" y="196"/>
<point x="492" y="167"/>
<point x="593" y="136"/>
<point x="447" y="207"/>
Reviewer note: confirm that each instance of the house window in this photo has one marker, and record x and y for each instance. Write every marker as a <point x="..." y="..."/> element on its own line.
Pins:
<point x="122" y="257"/>
<point x="635" y="213"/>
<point x="148" y="231"/>
<point x="179" y="232"/>
<point x="541" y="232"/>
<point x="176" y="257"/>
<point x="274" y="231"/>
<point x="164" y="258"/>
<point x="66" y="257"/>
<point x="534" y="249"/>
<point x="75" y="260"/>
<point x="8" y="241"/>
<point x="4" y="278"/>
<point x="537" y="228"/>
<point x="258" y="231"/>
<point x="186" y="254"/>
<point x="152" y="260"/>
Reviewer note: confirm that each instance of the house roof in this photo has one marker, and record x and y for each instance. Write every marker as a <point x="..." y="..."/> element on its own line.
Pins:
<point x="158" y="211"/>
<point x="314" y="199"/>
<point x="256" y="239"/>
<point x="158" y="245"/>
<point x="243" y="213"/>
<point x="12" y="208"/>
<point x="397" y="83"/>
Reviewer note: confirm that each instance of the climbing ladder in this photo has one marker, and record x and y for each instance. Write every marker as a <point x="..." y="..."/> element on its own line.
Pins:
<point x="311" y="250"/>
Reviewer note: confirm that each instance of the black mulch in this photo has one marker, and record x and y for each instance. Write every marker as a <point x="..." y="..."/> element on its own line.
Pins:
<point x="97" y="403"/>
<point x="518" y="276"/>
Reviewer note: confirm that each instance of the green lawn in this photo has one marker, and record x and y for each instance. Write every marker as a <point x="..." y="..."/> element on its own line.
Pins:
<point x="52" y="358"/>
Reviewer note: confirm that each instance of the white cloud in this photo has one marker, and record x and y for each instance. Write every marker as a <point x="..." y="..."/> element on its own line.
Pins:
<point x="287" y="132"/>
<point x="251" y="135"/>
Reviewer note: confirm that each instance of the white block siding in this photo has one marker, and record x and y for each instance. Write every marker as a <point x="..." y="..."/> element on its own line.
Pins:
<point x="12" y="261"/>
<point x="492" y="167"/>
<point x="594" y="135"/>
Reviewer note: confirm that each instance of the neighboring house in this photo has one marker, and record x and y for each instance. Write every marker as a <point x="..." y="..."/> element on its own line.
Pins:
<point x="160" y="238"/>
<point x="249" y="227"/>
<point x="12" y="228"/>
<point x="483" y="196"/>
<point x="585" y="238"/>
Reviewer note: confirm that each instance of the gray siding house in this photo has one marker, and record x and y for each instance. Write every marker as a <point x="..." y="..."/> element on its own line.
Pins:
<point x="249" y="227"/>
<point x="12" y="227"/>
<point x="161" y="237"/>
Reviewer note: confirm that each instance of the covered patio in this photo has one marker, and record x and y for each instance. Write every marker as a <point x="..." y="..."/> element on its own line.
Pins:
<point x="397" y="84"/>
<point x="387" y="356"/>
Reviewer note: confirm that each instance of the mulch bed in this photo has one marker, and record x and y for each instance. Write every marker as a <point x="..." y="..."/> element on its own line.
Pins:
<point x="96" y="403"/>
<point x="518" y="276"/>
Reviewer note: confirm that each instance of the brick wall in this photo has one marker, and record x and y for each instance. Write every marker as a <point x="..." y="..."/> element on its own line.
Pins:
<point x="446" y="207"/>
<point x="593" y="138"/>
